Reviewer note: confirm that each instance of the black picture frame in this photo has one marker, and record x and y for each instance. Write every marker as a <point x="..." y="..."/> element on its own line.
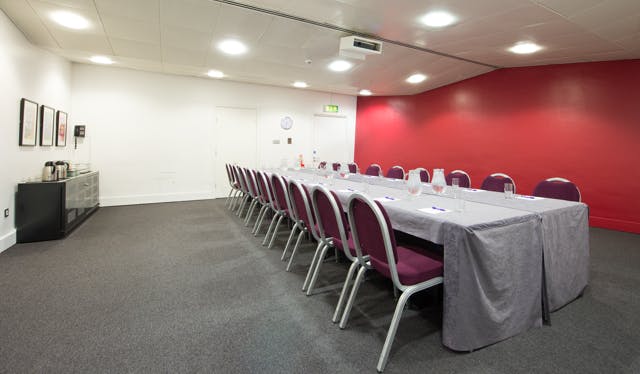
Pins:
<point x="47" y="125"/>
<point x="61" y="129"/>
<point x="28" y="123"/>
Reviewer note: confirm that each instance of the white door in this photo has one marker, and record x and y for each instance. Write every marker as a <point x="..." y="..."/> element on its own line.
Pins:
<point x="236" y="143"/>
<point x="330" y="139"/>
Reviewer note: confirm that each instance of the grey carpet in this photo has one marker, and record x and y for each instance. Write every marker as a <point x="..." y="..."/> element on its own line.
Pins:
<point x="184" y="287"/>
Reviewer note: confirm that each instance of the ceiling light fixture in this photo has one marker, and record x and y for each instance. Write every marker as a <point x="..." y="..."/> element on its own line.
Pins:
<point x="300" y="84"/>
<point x="365" y="92"/>
<point x="438" y="19"/>
<point x="215" y="74"/>
<point x="232" y="47"/>
<point x="340" y="65"/>
<point x="104" y="60"/>
<point x="70" y="20"/>
<point x="523" y="48"/>
<point x="416" y="78"/>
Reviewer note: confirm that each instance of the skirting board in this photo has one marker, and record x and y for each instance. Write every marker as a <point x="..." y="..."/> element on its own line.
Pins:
<point x="154" y="198"/>
<point x="8" y="240"/>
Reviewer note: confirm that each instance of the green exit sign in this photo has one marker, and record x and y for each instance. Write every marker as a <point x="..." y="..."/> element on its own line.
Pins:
<point x="331" y="109"/>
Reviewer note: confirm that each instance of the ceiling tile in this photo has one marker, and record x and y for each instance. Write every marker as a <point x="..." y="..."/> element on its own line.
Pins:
<point x="200" y="15"/>
<point x="179" y="56"/>
<point x="130" y="29"/>
<point x="181" y="37"/>
<point x="135" y="49"/>
<point x="142" y="10"/>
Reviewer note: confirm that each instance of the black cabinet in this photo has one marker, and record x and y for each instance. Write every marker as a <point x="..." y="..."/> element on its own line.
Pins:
<point x="51" y="210"/>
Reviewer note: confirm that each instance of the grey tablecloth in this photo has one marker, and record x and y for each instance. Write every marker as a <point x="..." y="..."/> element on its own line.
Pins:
<point x="493" y="259"/>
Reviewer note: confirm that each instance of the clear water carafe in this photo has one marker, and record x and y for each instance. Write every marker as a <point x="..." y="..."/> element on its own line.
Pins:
<point x="414" y="184"/>
<point x="438" y="182"/>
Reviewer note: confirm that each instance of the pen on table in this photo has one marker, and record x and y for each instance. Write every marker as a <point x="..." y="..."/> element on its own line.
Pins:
<point x="436" y="208"/>
<point x="528" y="197"/>
<point x="389" y="197"/>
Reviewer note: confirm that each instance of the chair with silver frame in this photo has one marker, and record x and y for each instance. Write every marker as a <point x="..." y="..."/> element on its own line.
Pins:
<point x="558" y="188"/>
<point x="302" y="217"/>
<point x="411" y="269"/>
<point x="282" y="208"/>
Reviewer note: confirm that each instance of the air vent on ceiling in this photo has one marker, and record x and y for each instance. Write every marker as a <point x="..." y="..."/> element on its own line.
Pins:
<point x="357" y="47"/>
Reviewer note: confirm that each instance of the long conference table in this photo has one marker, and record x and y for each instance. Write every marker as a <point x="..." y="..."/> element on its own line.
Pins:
<point x="507" y="262"/>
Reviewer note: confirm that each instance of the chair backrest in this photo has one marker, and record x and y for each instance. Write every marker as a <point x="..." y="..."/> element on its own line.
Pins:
<point x="329" y="216"/>
<point x="495" y="182"/>
<point x="374" y="170"/>
<point x="425" y="177"/>
<point x="335" y="166"/>
<point x="373" y="235"/>
<point x="322" y="165"/>
<point x="558" y="188"/>
<point x="251" y="188"/>
<point x="263" y="187"/>
<point x="254" y="183"/>
<point x="301" y="205"/>
<point x="353" y="168"/>
<point x="228" y="168"/>
<point x="464" y="180"/>
<point x="240" y="177"/>
<point x="280" y="193"/>
<point x="396" y="172"/>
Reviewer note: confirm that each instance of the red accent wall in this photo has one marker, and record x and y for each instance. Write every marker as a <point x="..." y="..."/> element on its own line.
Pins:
<point x="577" y="121"/>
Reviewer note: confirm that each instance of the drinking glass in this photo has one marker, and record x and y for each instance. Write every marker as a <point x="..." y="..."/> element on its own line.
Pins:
<point x="344" y="171"/>
<point x="455" y="182"/>
<point x="508" y="190"/>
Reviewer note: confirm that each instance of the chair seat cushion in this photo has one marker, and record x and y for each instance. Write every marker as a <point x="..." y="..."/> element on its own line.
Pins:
<point x="414" y="265"/>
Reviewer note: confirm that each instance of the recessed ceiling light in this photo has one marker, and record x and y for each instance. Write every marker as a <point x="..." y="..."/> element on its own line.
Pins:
<point x="416" y="78"/>
<point x="70" y="20"/>
<point x="438" y="19"/>
<point x="524" y="48"/>
<point x="215" y="74"/>
<point x="365" y="92"/>
<point x="232" y="47"/>
<point x="340" y="65"/>
<point x="300" y="84"/>
<point x="104" y="60"/>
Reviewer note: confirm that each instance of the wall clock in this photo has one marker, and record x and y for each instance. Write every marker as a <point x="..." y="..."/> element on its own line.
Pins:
<point x="286" y="123"/>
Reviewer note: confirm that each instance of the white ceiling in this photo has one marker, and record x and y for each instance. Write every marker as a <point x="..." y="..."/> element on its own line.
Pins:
<point x="179" y="37"/>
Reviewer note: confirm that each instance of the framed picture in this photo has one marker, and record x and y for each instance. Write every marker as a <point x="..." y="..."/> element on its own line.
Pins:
<point x="28" y="122"/>
<point x="61" y="129"/>
<point x="46" y="125"/>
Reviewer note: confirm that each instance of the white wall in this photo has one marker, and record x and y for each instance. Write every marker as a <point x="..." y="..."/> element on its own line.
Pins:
<point x="29" y="72"/>
<point x="152" y="135"/>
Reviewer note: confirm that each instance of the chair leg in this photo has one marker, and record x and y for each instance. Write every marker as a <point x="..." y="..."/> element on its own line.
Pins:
<point x="252" y="207"/>
<point x="319" y="248"/>
<point x="295" y="250"/>
<point x="261" y="214"/>
<point x="345" y="289"/>
<point x="275" y="231"/>
<point x="352" y="297"/>
<point x="286" y="247"/>
<point x="393" y="328"/>
<point x="316" y="272"/>
<point x="273" y="222"/>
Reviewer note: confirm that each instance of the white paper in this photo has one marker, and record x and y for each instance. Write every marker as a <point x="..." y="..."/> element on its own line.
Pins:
<point x="530" y="198"/>
<point x="432" y="210"/>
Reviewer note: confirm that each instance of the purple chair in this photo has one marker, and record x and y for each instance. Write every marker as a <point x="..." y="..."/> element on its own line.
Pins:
<point x="236" y="190"/>
<point x="424" y="175"/>
<point x="410" y="269"/>
<point x="265" y="199"/>
<point x="254" y="192"/>
<point x="302" y="217"/>
<point x="464" y="180"/>
<point x="282" y="207"/>
<point x="233" y="184"/>
<point x="396" y="172"/>
<point x="335" y="166"/>
<point x="558" y="188"/>
<point x="374" y="170"/>
<point x="495" y="182"/>
<point x="322" y="165"/>
<point x="332" y="231"/>
<point x="353" y="168"/>
<point x="244" y="186"/>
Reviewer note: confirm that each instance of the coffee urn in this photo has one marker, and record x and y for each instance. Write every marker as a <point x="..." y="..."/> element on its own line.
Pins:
<point x="49" y="172"/>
